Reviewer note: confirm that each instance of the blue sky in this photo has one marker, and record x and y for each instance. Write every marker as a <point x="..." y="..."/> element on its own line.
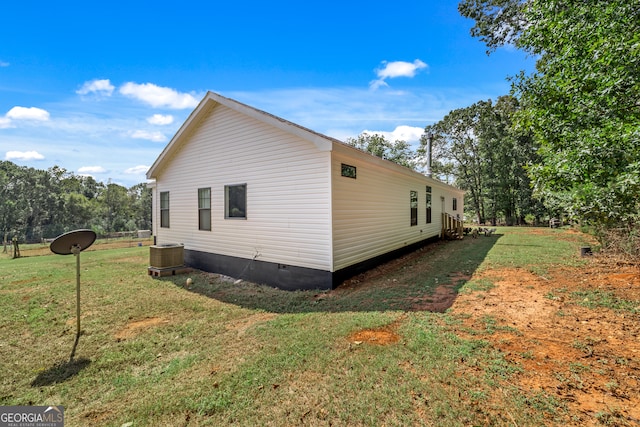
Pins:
<point x="100" y="88"/>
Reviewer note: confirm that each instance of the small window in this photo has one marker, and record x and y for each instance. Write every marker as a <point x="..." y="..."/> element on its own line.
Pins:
<point x="455" y="204"/>
<point x="235" y="201"/>
<point x="164" y="209"/>
<point x="204" y="209"/>
<point x="414" y="207"/>
<point x="428" y="204"/>
<point x="348" y="171"/>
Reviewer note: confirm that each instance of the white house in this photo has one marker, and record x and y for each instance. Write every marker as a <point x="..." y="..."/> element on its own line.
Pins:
<point x="254" y="196"/>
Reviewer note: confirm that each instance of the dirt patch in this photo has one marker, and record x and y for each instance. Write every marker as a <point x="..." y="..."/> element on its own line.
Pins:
<point x="374" y="336"/>
<point x="384" y="335"/>
<point x="133" y="328"/>
<point x="569" y="341"/>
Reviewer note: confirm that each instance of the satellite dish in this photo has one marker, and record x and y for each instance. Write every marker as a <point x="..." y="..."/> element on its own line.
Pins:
<point x="69" y="243"/>
<point x="65" y="243"/>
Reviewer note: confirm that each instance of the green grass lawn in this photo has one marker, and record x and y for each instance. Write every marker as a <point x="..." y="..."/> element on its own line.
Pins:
<point x="155" y="353"/>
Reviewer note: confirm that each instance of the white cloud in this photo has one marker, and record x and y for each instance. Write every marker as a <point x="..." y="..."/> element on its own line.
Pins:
<point x="391" y="70"/>
<point x="151" y="136"/>
<point x="158" y="96"/>
<point x="100" y="87"/>
<point x="5" y="123"/>
<point x="31" y="113"/>
<point x="400" y="69"/>
<point x="91" y="169"/>
<point x="23" y="113"/>
<point x="4" y="64"/>
<point x="160" y="119"/>
<point x="377" y="84"/>
<point x="409" y="134"/>
<point x="137" y="170"/>
<point x="23" y="155"/>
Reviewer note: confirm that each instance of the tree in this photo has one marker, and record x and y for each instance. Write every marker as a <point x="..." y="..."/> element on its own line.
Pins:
<point x="583" y="102"/>
<point x="11" y="203"/>
<point x="80" y="211"/>
<point x="399" y="152"/>
<point x="459" y="152"/>
<point x="116" y="207"/>
<point x="497" y="22"/>
<point x="509" y="151"/>
<point x="36" y="204"/>
<point x="583" y="105"/>
<point x="140" y="200"/>
<point x="488" y="157"/>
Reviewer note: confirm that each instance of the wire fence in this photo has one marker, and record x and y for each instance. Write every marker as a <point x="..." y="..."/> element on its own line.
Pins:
<point x="47" y="233"/>
<point x="114" y="240"/>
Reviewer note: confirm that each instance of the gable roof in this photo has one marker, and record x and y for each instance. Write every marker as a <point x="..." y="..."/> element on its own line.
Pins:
<point x="322" y="142"/>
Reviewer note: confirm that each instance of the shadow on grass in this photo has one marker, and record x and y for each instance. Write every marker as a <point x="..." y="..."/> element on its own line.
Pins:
<point x="427" y="279"/>
<point x="519" y="245"/>
<point x="60" y="372"/>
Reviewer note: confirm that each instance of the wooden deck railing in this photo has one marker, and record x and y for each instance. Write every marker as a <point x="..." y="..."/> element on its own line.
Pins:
<point x="452" y="227"/>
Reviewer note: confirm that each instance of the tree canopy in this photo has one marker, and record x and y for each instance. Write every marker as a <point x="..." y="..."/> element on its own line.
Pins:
<point x="497" y="22"/>
<point x="399" y="152"/>
<point x="582" y="104"/>
<point x="488" y="157"/>
<point x="36" y="204"/>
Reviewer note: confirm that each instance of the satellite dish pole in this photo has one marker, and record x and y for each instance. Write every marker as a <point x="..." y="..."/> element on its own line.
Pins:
<point x="75" y="249"/>
<point x="74" y="242"/>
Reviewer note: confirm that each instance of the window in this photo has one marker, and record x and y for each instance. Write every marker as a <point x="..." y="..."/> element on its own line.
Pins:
<point x="164" y="209"/>
<point x="414" y="208"/>
<point x="204" y="209"/>
<point x="348" y="171"/>
<point x="428" y="204"/>
<point x="455" y="204"/>
<point x="235" y="201"/>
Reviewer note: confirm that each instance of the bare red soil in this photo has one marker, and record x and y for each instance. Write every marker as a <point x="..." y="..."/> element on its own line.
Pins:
<point x="587" y="357"/>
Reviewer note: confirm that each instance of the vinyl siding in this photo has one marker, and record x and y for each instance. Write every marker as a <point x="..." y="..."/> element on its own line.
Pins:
<point x="288" y="192"/>
<point x="371" y="214"/>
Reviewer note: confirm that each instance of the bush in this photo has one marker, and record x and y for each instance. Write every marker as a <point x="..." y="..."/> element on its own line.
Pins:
<point x="623" y="241"/>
